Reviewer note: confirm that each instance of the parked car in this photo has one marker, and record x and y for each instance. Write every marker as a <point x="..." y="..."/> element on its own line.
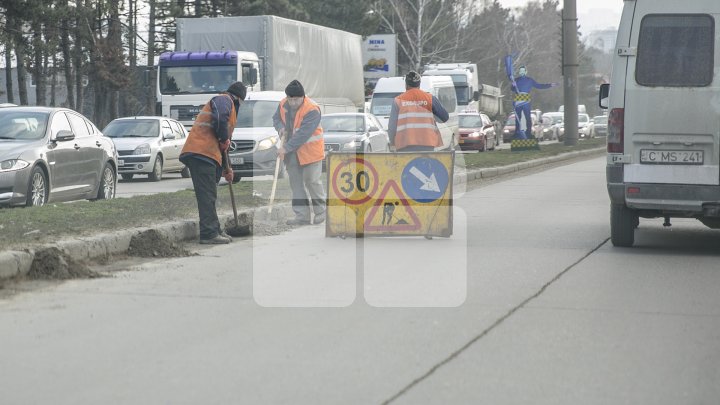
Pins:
<point x="477" y="131"/>
<point x="53" y="155"/>
<point x="585" y="126"/>
<point x="354" y="132"/>
<point x="600" y="124"/>
<point x="148" y="145"/>
<point x="548" y="131"/>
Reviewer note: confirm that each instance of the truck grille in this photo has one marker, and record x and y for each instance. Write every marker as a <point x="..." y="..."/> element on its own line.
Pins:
<point x="185" y="112"/>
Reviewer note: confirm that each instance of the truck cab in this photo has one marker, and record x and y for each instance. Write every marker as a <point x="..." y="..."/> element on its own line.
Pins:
<point x="187" y="80"/>
<point x="465" y="81"/>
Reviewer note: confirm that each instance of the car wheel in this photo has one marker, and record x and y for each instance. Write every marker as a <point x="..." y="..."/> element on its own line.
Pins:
<point x="106" y="191"/>
<point x="185" y="173"/>
<point x="37" y="193"/>
<point x="623" y="222"/>
<point x="369" y="149"/>
<point x="127" y="176"/>
<point x="156" y="174"/>
<point x="236" y="178"/>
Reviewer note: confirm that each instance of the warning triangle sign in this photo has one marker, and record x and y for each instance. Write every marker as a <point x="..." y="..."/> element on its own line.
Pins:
<point x="392" y="212"/>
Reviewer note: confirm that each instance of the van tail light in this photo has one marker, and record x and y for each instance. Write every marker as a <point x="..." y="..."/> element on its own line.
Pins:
<point x="616" y="131"/>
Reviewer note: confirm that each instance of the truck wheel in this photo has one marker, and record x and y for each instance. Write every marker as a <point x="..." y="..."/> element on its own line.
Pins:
<point x="623" y="222"/>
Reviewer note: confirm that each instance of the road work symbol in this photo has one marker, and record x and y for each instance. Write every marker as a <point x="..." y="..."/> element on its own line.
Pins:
<point x="425" y="179"/>
<point x="397" y="215"/>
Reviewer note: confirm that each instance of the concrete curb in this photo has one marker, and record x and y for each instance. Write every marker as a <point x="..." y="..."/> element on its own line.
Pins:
<point x="18" y="263"/>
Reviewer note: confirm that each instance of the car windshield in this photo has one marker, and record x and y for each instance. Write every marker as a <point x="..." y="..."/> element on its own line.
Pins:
<point x="470" y="121"/>
<point x="583" y="118"/>
<point x="343" y="123"/>
<point x="600" y="120"/>
<point x="510" y="120"/>
<point x="382" y="103"/>
<point x="132" y="129"/>
<point x="16" y="124"/>
<point x="256" y="114"/>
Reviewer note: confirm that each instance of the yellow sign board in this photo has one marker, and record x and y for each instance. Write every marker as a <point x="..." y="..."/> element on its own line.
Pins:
<point x="390" y="194"/>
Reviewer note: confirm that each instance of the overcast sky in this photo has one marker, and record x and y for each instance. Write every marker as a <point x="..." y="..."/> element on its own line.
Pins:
<point x="592" y="14"/>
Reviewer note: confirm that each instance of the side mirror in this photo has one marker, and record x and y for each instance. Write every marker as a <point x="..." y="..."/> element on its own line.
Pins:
<point x="169" y="137"/>
<point x="373" y="128"/>
<point x="476" y="95"/>
<point x="603" y="99"/>
<point x="64" y="136"/>
<point x="253" y="76"/>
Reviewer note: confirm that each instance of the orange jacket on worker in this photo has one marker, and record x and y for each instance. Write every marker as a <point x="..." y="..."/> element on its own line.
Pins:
<point x="202" y="139"/>
<point x="416" y="122"/>
<point x="313" y="150"/>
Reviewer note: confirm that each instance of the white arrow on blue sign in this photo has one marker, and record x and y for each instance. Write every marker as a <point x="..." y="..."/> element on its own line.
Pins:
<point x="425" y="179"/>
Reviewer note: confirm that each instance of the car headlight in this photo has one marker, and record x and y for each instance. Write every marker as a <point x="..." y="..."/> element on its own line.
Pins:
<point x="507" y="131"/>
<point x="267" y="143"/>
<point x="12" y="165"/>
<point x="351" y="145"/>
<point x="143" y="149"/>
<point x="475" y="134"/>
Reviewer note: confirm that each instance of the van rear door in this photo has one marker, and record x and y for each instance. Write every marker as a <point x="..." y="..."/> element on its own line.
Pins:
<point x="672" y="125"/>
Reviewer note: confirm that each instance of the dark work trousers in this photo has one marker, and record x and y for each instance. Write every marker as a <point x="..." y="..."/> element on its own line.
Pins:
<point x="305" y="181"/>
<point x="417" y="148"/>
<point x="204" y="178"/>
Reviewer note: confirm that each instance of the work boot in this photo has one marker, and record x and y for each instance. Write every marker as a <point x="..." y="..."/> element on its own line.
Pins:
<point x="319" y="219"/>
<point x="225" y="235"/>
<point x="298" y="221"/>
<point x="218" y="240"/>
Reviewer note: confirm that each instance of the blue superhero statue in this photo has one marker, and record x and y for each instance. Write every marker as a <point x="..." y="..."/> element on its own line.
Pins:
<point x="522" y="102"/>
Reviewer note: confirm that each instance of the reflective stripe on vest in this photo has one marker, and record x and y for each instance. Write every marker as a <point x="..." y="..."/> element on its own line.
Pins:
<point x="313" y="150"/>
<point x="416" y="122"/>
<point x="202" y="139"/>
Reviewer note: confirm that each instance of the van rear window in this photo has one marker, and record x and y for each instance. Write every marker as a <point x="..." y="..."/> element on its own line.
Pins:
<point x="676" y="50"/>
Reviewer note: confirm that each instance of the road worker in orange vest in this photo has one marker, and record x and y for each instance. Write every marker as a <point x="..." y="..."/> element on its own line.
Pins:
<point x="412" y="125"/>
<point x="204" y="155"/>
<point x="297" y="120"/>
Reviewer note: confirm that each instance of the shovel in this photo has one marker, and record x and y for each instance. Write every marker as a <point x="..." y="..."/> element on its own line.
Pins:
<point x="236" y="229"/>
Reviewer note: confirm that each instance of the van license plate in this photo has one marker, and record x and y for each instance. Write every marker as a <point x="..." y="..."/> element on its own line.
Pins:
<point x="679" y="157"/>
<point x="236" y="160"/>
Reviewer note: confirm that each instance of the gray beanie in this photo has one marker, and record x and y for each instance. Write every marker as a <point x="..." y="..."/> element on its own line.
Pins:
<point x="238" y="89"/>
<point x="295" y="89"/>
<point x="412" y="79"/>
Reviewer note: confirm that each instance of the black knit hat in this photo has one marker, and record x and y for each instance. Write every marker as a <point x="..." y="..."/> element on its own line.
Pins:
<point x="295" y="89"/>
<point x="238" y="89"/>
<point x="412" y="79"/>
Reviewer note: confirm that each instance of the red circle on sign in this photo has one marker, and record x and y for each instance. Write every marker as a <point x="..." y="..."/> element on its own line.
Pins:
<point x="372" y="191"/>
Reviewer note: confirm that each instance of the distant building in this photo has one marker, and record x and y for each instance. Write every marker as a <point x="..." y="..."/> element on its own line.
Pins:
<point x="602" y="39"/>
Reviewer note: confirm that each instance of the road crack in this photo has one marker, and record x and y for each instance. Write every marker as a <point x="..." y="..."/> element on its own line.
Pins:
<point x="495" y="324"/>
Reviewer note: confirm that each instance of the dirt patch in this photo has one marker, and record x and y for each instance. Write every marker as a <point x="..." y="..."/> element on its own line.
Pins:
<point x="152" y="243"/>
<point x="54" y="264"/>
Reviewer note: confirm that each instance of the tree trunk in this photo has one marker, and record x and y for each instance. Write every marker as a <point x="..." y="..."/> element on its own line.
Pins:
<point x="38" y="70"/>
<point x="53" y="82"/>
<point x="8" y="72"/>
<point x="20" y="50"/>
<point x="67" y="65"/>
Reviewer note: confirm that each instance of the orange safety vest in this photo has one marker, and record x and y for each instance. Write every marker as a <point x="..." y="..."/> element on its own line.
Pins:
<point x="415" y="121"/>
<point x="202" y="139"/>
<point x="313" y="150"/>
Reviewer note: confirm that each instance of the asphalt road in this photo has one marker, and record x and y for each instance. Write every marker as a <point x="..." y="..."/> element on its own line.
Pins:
<point x="526" y="303"/>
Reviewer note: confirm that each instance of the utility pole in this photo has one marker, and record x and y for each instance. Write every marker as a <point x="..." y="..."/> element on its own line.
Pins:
<point x="570" y="71"/>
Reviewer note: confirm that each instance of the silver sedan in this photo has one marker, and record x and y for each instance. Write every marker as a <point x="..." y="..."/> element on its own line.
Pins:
<point x="51" y="155"/>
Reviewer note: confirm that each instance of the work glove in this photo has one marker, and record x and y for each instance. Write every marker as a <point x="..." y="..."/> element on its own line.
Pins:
<point x="228" y="175"/>
<point x="225" y="145"/>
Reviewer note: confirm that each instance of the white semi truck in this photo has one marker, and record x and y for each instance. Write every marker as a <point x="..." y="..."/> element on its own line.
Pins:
<point x="471" y="94"/>
<point x="266" y="53"/>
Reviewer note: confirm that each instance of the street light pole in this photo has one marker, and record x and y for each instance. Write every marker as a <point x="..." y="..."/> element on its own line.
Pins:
<point x="570" y="71"/>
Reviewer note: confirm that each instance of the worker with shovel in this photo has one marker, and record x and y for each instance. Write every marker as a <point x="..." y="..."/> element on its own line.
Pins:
<point x="297" y="120"/>
<point x="204" y="154"/>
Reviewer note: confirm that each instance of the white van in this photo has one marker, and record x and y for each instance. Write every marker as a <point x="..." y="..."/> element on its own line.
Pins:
<point x="663" y="128"/>
<point x="253" y="149"/>
<point x="442" y="87"/>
